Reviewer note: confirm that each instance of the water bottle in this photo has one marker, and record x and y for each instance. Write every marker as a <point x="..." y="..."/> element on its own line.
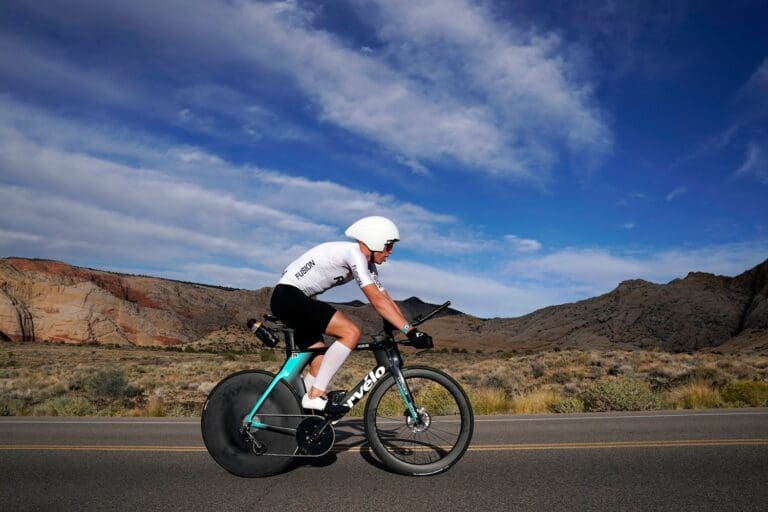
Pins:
<point x="265" y="335"/>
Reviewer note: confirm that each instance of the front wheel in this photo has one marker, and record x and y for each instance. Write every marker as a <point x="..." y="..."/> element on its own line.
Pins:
<point x="427" y="436"/>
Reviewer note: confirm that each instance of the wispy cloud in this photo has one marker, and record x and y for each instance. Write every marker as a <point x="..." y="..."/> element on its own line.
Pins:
<point x="755" y="163"/>
<point x="177" y="204"/>
<point x="523" y="245"/>
<point x="517" y="111"/>
<point x="676" y="192"/>
<point x="589" y="272"/>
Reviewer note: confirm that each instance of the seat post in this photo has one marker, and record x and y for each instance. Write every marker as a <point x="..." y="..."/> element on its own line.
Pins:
<point x="290" y="346"/>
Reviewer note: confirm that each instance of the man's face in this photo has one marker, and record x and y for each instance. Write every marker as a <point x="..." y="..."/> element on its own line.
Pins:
<point x="381" y="257"/>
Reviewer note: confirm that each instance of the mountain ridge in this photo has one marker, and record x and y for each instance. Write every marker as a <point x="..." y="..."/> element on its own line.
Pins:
<point x="52" y="301"/>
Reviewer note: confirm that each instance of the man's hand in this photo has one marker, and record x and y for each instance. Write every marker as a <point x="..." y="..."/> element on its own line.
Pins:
<point x="420" y="339"/>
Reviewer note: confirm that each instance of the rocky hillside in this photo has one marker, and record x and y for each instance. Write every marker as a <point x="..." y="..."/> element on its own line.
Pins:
<point x="53" y="301"/>
<point x="701" y="311"/>
<point x="44" y="300"/>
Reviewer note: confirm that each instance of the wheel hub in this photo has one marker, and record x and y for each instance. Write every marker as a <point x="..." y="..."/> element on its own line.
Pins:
<point x="422" y="423"/>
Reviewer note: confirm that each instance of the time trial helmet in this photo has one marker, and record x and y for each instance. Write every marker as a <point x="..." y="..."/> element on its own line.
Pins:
<point x="375" y="232"/>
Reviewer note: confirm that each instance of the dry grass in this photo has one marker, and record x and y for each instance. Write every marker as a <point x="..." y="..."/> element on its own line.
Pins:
<point x="695" y="395"/>
<point x="535" y="402"/>
<point x="49" y="379"/>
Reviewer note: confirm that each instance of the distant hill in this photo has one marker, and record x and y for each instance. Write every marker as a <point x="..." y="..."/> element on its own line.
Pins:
<point x="701" y="311"/>
<point x="43" y="300"/>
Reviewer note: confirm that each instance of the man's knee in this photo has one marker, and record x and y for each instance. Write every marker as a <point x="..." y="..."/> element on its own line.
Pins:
<point x="351" y="333"/>
<point x="344" y="329"/>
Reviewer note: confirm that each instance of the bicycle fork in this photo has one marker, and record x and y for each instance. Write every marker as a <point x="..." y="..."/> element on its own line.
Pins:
<point x="405" y="392"/>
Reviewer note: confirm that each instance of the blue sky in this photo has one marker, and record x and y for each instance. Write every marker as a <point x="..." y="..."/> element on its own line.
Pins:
<point x="532" y="153"/>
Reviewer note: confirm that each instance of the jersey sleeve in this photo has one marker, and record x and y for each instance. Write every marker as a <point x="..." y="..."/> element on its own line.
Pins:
<point x="364" y="273"/>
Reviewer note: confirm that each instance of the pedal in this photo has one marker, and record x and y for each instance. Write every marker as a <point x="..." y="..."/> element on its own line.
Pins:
<point x="335" y="397"/>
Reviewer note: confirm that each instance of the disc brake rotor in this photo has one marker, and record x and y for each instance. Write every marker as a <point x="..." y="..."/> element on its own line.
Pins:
<point x="423" y="423"/>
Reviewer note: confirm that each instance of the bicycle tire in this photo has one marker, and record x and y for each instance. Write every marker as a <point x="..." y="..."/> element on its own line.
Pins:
<point x="225" y="408"/>
<point x="419" y="450"/>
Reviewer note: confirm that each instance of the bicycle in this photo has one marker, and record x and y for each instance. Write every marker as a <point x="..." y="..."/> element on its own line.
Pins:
<point x="418" y="420"/>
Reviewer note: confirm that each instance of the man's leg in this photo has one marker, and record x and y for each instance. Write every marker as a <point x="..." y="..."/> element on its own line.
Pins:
<point x="347" y="335"/>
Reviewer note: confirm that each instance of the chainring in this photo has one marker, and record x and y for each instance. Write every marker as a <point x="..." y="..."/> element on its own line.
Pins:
<point x="310" y="440"/>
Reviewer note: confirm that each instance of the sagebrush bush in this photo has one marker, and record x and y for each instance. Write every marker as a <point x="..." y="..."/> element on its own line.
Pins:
<point x="12" y="407"/>
<point x="751" y="393"/>
<point x="619" y="394"/>
<point x="568" y="405"/>
<point x="267" y="355"/>
<point x="703" y="374"/>
<point x="66" y="405"/>
<point x="110" y="384"/>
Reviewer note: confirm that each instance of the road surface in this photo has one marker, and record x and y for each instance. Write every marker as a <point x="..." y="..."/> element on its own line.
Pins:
<point x="705" y="460"/>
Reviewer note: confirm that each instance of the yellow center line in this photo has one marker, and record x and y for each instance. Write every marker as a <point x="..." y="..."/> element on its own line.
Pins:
<point x="473" y="448"/>
<point x="621" y="444"/>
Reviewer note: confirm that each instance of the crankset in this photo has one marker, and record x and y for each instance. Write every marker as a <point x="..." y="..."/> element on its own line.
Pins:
<point x="315" y="436"/>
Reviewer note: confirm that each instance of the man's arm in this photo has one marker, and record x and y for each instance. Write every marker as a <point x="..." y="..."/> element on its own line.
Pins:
<point x="384" y="305"/>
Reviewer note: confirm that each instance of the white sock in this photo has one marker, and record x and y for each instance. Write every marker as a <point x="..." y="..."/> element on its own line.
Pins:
<point x="308" y="381"/>
<point x="335" y="356"/>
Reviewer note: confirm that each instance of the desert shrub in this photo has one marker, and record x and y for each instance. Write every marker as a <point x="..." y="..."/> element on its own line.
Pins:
<point x="538" y="370"/>
<point x="622" y="394"/>
<point x="64" y="405"/>
<point x="695" y="395"/>
<point x="703" y="374"/>
<point x="110" y="384"/>
<point x="488" y="401"/>
<point x="267" y="355"/>
<point x="503" y="378"/>
<point x="12" y="407"/>
<point x="567" y="405"/>
<point x="751" y="393"/>
<point x="566" y="375"/>
<point x="7" y="360"/>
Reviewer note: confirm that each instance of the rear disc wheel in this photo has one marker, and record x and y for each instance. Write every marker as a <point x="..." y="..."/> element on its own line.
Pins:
<point x="222" y="425"/>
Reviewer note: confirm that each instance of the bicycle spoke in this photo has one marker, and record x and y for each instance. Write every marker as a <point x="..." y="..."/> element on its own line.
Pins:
<point x="437" y="430"/>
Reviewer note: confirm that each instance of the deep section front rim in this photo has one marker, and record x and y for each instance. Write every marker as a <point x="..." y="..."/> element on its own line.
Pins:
<point x="430" y="441"/>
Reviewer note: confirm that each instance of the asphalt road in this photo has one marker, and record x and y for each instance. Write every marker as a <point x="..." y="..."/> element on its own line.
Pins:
<point x="677" y="461"/>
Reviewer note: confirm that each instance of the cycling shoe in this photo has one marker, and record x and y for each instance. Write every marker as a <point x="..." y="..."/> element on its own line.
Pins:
<point x="323" y="405"/>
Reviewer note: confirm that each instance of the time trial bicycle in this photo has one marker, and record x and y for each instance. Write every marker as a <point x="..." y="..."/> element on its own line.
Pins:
<point x="418" y="420"/>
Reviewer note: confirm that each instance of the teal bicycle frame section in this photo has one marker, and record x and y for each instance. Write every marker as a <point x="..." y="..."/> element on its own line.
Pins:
<point x="290" y="370"/>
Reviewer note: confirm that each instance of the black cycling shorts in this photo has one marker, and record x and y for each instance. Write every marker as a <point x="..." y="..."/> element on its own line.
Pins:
<point x="309" y="318"/>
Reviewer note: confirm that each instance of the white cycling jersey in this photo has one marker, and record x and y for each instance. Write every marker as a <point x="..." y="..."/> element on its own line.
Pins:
<point x="328" y="265"/>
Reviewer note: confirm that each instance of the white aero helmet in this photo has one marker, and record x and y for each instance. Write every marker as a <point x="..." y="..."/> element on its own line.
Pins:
<point x="375" y="232"/>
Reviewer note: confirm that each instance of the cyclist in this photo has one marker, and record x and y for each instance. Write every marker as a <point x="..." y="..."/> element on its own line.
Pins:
<point x="321" y="268"/>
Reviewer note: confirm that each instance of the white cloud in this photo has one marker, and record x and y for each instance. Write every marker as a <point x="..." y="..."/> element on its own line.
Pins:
<point x="755" y="163"/>
<point x="68" y="202"/>
<point x="492" y="100"/>
<point x="523" y="245"/>
<point x="589" y="272"/>
<point x="676" y="192"/>
<point x="471" y="293"/>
